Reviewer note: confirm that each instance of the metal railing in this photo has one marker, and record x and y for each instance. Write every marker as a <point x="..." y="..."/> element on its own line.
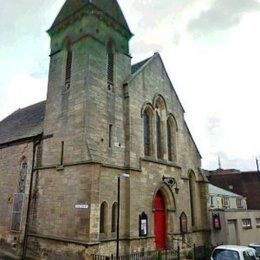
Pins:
<point x="167" y="254"/>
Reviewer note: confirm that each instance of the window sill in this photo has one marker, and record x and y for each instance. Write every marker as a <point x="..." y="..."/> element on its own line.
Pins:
<point x="159" y="161"/>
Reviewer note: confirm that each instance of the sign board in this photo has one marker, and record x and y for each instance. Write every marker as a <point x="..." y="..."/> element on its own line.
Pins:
<point x="81" y="206"/>
<point x="216" y="221"/>
<point x="143" y="225"/>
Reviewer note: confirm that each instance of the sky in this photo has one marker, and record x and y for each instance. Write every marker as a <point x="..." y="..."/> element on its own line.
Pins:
<point x="210" y="49"/>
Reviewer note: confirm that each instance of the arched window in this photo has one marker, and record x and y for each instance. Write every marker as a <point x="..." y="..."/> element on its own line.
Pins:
<point x="192" y="187"/>
<point x="68" y="67"/>
<point x="171" y="139"/>
<point x="159" y="136"/>
<point x="103" y="217"/>
<point x="114" y="217"/>
<point x="147" y="134"/>
<point x="19" y="198"/>
<point x="183" y="223"/>
<point x="22" y="178"/>
<point x="160" y="123"/>
<point x="110" y="66"/>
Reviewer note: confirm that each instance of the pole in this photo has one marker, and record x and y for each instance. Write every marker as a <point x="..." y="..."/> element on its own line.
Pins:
<point x="257" y="164"/>
<point x="118" y="215"/>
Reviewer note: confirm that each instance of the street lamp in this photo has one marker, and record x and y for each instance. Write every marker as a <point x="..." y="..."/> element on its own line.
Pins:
<point x="118" y="212"/>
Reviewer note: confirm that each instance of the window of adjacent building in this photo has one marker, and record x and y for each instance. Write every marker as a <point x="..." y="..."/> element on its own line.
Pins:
<point x="239" y="203"/>
<point x="230" y="187"/>
<point x="257" y="220"/>
<point x="68" y="68"/>
<point x="103" y="217"/>
<point x="225" y="202"/>
<point x="114" y="217"/>
<point x="110" y="66"/>
<point x="159" y="136"/>
<point x="246" y="223"/>
<point x="211" y="201"/>
<point x="19" y="198"/>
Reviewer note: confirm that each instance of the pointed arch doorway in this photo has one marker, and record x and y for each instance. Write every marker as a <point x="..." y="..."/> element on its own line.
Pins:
<point x="159" y="221"/>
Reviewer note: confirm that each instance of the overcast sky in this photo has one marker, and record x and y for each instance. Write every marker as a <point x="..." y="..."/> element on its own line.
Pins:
<point x="211" y="49"/>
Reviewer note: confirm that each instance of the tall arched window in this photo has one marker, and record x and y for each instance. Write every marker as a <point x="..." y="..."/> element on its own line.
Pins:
<point x="147" y="134"/>
<point x="159" y="136"/>
<point x="160" y="123"/>
<point x="110" y="66"/>
<point x="68" y="67"/>
<point x="192" y="188"/>
<point x="114" y="217"/>
<point x="19" y="198"/>
<point x="171" y="139"/>
<point x="103" y="217"/>
<point x="22" y="179"/>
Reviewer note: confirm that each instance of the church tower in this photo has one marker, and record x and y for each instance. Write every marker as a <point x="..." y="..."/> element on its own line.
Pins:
<point x="89" y="62"/>
<point x="84" y="120"/>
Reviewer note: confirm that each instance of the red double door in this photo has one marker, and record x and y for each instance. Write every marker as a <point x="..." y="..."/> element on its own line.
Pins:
<point x="159" y="221"/>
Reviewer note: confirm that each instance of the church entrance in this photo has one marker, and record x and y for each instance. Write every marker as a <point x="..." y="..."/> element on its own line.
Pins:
<point x="159" y="221"/>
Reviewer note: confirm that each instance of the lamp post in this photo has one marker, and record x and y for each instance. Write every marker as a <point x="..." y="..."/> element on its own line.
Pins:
<point x="118" y="212"/>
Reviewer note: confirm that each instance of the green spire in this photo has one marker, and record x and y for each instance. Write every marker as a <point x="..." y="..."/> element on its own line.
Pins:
<point x="110" y="8"/>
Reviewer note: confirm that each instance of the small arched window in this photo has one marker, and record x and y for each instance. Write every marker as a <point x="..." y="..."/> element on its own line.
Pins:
<point x="183" y="223"/>
<point x="110" y="66"/>
<point x="68" y="67"/>
<point x="114" y="217"/>
<point x="159" y="136"/>
<point x="171" y="139"/>
<point x="103" y="217"/>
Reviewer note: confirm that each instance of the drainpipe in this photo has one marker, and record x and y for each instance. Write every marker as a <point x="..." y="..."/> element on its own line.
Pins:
<point x="36" y="142"/>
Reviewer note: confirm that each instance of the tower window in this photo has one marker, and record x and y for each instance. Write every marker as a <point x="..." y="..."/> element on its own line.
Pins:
<point x="68" y="69"/>
<point x="110" y="66"/>
<point x="110" y="136"/>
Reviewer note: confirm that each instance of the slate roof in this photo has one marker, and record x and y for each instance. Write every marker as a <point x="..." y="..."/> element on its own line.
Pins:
<point x="214" y="190"/>
<point x="23" y="123"/>
<point x="110" y="7"/>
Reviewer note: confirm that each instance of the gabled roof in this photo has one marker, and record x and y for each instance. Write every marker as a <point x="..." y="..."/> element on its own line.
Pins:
<point x="135" y="67"/>
<point x="140" y="66"/>
<point x="110" y="7"/>
<point x="23" y="123"/>
<point x="214" y="190"/>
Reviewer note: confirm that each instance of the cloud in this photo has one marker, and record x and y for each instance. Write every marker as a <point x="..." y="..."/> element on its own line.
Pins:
<point x="220" y="17"/>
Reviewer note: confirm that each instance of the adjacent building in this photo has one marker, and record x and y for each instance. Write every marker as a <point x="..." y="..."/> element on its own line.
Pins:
<point x="244" y="183"/>
<point x="105" y="121"/>
<point x="232" y="223"/>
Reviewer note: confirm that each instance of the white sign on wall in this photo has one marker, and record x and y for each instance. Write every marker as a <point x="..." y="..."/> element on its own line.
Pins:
<point x="81" y="206"/>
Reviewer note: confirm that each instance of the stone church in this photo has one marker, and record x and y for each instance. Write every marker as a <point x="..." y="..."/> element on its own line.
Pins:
<point x="108" y="131"/>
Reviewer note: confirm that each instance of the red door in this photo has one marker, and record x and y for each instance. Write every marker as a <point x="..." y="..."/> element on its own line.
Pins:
<point x="159" y="221"/>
